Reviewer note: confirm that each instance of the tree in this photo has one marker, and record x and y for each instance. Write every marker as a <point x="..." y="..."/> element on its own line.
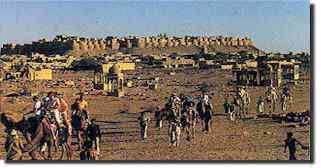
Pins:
<point x="243" y="53"/>
<point x="86" y="63"/>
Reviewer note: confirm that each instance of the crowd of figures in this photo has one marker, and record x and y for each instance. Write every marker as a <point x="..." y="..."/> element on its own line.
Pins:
<point x="181" y="115"/>
<point x="52" y="124"/>
<point x="183" y="112"/>
<point x="266" y="105"/>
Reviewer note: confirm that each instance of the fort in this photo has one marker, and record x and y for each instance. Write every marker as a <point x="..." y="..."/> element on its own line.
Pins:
<point x="62" y="44"/>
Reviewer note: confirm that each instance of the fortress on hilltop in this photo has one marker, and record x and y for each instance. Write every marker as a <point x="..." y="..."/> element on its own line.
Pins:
<point x="62" y="44"/>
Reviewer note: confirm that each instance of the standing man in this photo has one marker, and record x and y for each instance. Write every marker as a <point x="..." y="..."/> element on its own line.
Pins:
<point x="94" y="134"/>
<point x="241" y="96"/>
<point x="159" y="113"/>
<point x="274" y="99"/>
<point x="202" y="110"/>
<point x="247" y="101"/>
<point x="260" y="106"/>
<point x="228" y="108"/>
<point x="271" y="97"/>
<point x="174" y="129"/>
<point x="207" y="109"/>
<point x="199" y="109"/>
<point x="143" y="123"/>
<point x="285" y="98"/>
<point x="77" y="122"/>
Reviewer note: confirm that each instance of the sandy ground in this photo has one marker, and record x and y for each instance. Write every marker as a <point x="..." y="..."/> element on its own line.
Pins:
<point x="253" y="139"/>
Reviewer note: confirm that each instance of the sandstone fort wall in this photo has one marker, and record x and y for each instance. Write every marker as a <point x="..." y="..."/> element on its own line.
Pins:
<point x="61" y="44"/>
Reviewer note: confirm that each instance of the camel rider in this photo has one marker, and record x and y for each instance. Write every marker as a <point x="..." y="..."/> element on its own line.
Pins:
<point x="175" y="104"/>
<point x="38" y="107"/>
<point x="13" y="146"/>
<point x="63" y="109"/>
<point x="53" y="105"/>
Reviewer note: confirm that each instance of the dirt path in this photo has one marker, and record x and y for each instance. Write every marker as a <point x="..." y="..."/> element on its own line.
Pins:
<point x="255" y="139"/>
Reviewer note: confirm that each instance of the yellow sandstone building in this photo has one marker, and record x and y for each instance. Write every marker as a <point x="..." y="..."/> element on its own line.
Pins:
<point x="111" y="79"/>
<point x="43" y="74"/>
<point x="123" y="66"/>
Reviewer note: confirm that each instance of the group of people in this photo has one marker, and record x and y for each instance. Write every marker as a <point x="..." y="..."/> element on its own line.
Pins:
<point x="239" y="105"/>
<point x="52" y="113"/>
<point x="273" y="97"/>
<point x="182" y="114"/>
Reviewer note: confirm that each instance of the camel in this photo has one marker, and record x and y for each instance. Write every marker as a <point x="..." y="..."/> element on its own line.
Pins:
<point x="37" y="133"/>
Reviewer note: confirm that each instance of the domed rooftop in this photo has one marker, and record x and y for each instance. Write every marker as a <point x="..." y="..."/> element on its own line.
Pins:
<point x="115" y="69"/>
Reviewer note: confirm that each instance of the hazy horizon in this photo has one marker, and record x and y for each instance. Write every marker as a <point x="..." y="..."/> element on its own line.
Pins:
<point x="274" y="26"/>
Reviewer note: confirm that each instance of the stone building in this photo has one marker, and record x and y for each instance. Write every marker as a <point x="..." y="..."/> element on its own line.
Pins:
<point x="111" y="81"/>
<point x="267" y="73"/>
<point x="40" y="74"/>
